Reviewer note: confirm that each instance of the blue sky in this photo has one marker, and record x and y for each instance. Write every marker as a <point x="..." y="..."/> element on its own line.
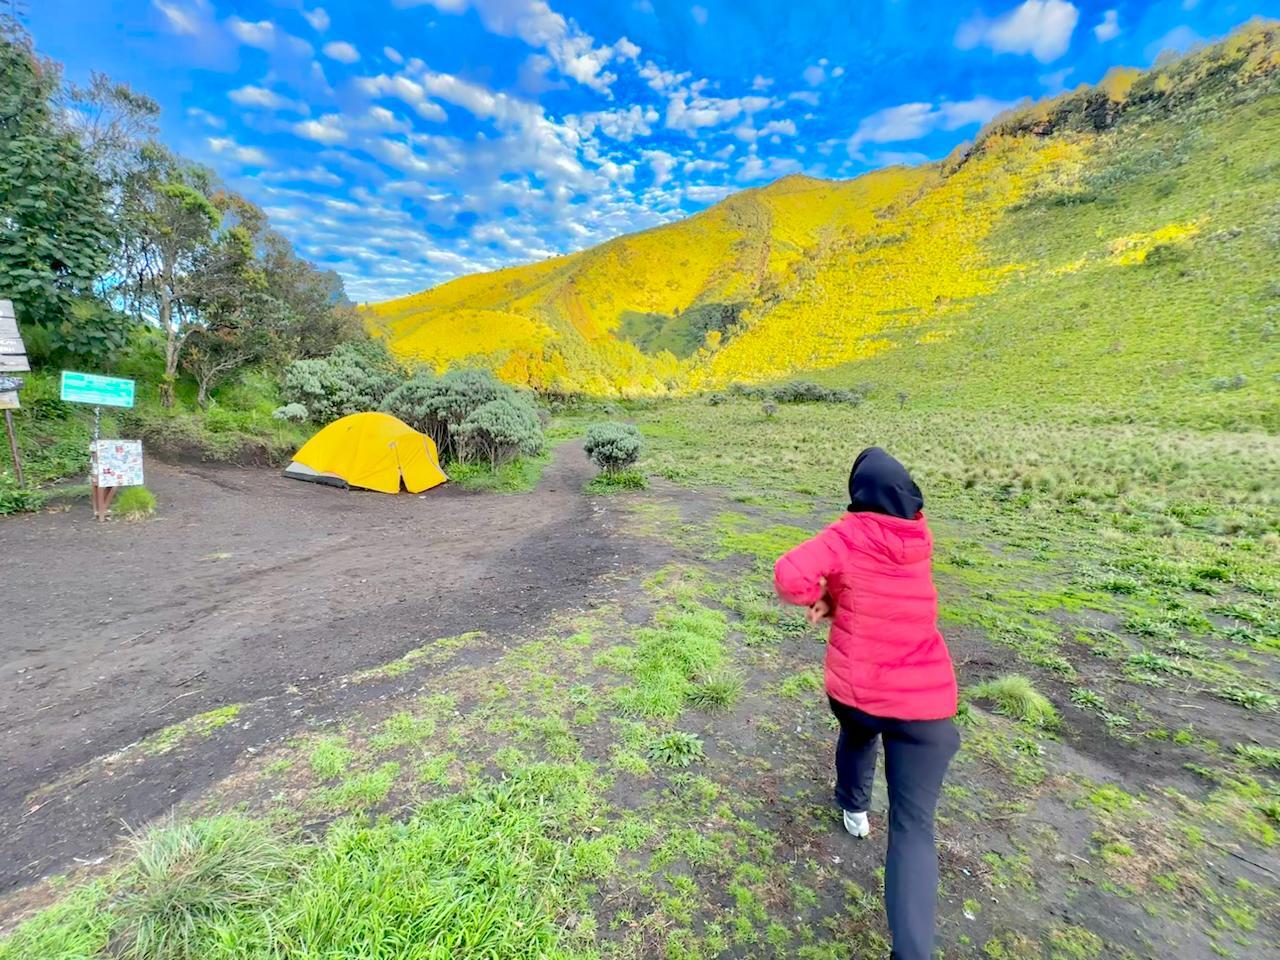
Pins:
<point x="405" y="142"/>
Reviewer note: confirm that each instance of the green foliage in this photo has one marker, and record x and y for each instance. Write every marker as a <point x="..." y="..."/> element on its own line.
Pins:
<point x="676" y="748"/>
<point x="622" y="480"/>
<point x="134" y="503"/>
<point x="1267" y="758"/>
<point x="612" y="446"/>
<point x="194" y="885"/>
<point x="293" y="412"/>
<point x="499" y="431"/>
<point x="15" y="499"/>
<point x="470" y="414"/>
<point x="717" y="689"/>
<point x="330" y="757"/>
<point x="1014" y="696"/>
<point x="686" y="643"/>
<point x="356" y="377"/>
<point x="56" y="234"/>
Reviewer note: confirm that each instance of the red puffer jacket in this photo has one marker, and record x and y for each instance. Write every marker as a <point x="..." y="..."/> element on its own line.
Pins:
<point x="885" y="655"/>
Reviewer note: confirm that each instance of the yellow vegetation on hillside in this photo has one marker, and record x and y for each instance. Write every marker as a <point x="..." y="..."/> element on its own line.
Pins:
<point x="804" y="273"/>
<point x="1135" y="248"/>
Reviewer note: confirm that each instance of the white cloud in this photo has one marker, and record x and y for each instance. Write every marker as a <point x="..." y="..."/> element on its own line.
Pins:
<point x="405" y="89"/>
<point x="838" y="72"/>
<point x="329" y="129"/>
<point x="574" y="52"/>
<point x="261" y="34"/>
<point x="661" y="80"/>
<point x="318" y="19"/>
<point x="250" y="156"/>
<point x="689" y="115"/>
<point x="392" y="54"/>
<point x="319" y="175"/>
<point x="251" y="96"/>
<point x="699" y="14"/>
<point x="341" y="51"/>
<point x="786" y="128"/>
<point x="265" y="35"/>
<point x="626" y="50"/>
<point x="910" y="121"/>
<point x="207" y="118"/>
<point x="705" y="193"/>
<point x="814" y="75"/>
<point x="187" y="19"/>
<point x="753" y="168"/>
<point x="702" y="166"/>
<point x="1041" y="28"/>
<point x="625" y="125"/>
<point x="662" y="163"/>
<point x="1108" y="28"/>
<point x="805" y="96"/>
<point x="761" y="83"/>
<point x="897" y="158"/>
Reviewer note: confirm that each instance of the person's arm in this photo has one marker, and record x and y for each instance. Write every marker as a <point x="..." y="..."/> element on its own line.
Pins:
<point x="800" y="574"/>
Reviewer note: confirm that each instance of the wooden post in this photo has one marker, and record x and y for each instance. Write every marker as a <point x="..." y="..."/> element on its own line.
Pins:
<point x="13" y="447"/>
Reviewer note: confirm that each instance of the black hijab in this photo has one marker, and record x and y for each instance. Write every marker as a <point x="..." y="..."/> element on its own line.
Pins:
<point x="880" y="484"/>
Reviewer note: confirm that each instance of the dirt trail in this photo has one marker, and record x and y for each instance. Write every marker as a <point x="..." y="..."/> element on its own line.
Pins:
<point x="247" y="586"/>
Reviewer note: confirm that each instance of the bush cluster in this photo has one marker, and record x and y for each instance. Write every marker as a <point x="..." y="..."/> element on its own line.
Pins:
<point x="355" y="377"/>
<point x="470" y="415"/>
<point x="793" y="391"/>
<point x="612" y="446"/>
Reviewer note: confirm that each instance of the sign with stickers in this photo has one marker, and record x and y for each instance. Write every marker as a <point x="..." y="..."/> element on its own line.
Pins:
<point x="117" y="463"/>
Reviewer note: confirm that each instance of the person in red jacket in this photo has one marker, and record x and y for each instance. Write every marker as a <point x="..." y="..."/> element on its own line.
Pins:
<point x="888" y="676"/>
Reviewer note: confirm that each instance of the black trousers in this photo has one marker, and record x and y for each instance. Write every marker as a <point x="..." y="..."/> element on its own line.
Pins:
<point x="916" y="755"/>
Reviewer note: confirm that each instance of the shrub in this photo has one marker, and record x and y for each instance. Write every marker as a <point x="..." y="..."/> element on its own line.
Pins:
<point x="803" y="391"/>
<point x="441" y="406"/>
<point x="676" y="749"/>
<point x="191" y="882"/>
<point x="499" y="431"/>
<point x="1016" y="698"/>
<point x="15" y="499"/>
<point x="613" y="446"/>
<point x="293" y="412"/>
<point x="356" y="377"/>
<point x="716" y="690"/>
<point x="769" y="409"/>
<point x="134" y="503"/>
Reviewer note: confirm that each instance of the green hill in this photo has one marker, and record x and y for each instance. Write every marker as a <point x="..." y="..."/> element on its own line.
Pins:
<point x="1114" y="245"/>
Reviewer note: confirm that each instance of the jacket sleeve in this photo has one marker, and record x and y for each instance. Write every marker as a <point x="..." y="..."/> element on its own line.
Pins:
<point x="798" y="572"/>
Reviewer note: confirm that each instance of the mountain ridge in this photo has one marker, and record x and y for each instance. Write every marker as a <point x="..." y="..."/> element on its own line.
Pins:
<point x="807" y="274"/>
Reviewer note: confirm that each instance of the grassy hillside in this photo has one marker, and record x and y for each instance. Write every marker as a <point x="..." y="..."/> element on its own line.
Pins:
<point x="1126" y="232"/>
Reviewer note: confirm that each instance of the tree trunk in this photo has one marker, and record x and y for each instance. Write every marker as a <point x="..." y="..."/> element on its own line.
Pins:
<point x="202" y="394"/>
<point x="170" y="345"/>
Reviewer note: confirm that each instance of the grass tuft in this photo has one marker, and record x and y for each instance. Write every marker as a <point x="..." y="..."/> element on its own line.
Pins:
<point x="1015" y="697"/>
<point x="134" y="503"/>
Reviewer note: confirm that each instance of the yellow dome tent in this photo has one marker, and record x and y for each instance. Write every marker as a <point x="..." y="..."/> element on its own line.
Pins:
<point x="371" y="450"/>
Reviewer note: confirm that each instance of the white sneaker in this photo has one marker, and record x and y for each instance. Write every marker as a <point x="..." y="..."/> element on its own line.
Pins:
<point x="857" y="824"/>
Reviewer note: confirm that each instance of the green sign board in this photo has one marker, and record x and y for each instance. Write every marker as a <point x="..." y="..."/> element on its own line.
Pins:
<point x="100" y="391"/>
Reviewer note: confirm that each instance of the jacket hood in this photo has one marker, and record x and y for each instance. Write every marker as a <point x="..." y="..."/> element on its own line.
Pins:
<point x="880" y="484"/>
<point x="896" y="539"/>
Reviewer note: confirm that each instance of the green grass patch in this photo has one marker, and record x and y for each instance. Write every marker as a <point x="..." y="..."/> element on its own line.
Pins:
<point x="687" y="642"/>
<point x="134" y="503"/>
<point x="516" y="476"/>
<point x="1014" y="696"/>
<point x="620" y="481"/>
<point x="201" y="725"/>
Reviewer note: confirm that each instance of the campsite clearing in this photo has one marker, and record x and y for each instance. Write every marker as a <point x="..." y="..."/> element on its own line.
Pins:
<point x="623" y="723"/>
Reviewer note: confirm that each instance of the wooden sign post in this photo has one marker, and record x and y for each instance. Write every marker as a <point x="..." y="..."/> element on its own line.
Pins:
<point x="13" y="359"/>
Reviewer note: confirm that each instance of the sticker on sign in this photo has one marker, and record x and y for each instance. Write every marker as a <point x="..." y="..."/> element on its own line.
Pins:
<point x="98" y="390"/>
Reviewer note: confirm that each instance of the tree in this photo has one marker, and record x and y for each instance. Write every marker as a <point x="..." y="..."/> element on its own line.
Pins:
<point x="172" y="227"/>
<point x="56" y="235"/>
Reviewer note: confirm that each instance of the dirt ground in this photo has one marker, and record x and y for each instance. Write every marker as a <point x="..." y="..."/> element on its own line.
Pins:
<point x="246" y="588"/>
